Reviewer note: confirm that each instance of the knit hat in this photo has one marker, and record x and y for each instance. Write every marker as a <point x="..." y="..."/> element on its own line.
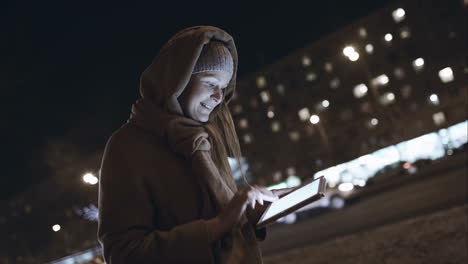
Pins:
<point x="215" y="56"/>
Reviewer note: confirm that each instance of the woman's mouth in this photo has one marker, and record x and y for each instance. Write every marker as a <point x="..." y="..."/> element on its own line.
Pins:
<point x="206" y="106"/>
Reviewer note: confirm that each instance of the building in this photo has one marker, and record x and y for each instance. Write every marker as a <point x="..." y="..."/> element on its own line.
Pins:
<point x="394" y="75"/>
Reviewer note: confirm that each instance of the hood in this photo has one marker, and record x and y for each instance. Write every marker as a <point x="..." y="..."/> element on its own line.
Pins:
<point x="170" y="71"/>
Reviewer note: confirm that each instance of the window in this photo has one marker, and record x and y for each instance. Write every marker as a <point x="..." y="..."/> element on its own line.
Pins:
<point x="399" y="73"/>
<point x="405" y="33"/>
<point x="261" y="82"/>
<point x="362" y="32"/>
<point x="446" y="75"/>
<point x="335" y="83"/>
<point x="304" y="114"/>
<point x="248" y="138"/>
<point x="328" y="67"/>
<point x="438" y="118"/>
<point x="237" y="109"/>
<point x="418" y="64"/>
<point x="311" y="76"/>
<point x="243" y="123"/>
<point x="406" y="91"/>
<point x="294" y="136"/>
<point x="265" y="96"/>
<point x="280" y="89"/>
<point x="306" y="61"/>
<point x="398" y="15"/>
<point x="275" y="126"/>
<point x="360" y="90"/>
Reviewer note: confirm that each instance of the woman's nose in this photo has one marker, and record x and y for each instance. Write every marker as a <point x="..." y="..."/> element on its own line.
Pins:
<point x="217" y="94"/>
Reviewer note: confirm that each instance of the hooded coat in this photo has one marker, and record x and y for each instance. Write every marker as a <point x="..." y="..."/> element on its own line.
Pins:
<point x="153" y="205"/>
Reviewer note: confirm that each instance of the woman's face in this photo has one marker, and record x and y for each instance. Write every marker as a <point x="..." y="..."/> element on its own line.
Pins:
<point x="203" y="93"/>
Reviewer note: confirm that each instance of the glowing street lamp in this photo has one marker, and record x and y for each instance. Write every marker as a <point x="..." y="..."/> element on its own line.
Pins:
<point x="314" y="119"/>
<point x="56" y="228"/>
<point x="90" y="179"/>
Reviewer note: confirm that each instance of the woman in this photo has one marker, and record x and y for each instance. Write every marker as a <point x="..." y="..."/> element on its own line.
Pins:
<point x="166" y="191"/>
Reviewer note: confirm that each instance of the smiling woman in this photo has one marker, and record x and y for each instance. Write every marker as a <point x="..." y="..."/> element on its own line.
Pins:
<point x="166" y="193"/>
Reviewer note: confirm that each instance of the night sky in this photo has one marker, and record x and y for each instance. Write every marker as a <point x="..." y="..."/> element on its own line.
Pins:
<point x="70" y="69"/>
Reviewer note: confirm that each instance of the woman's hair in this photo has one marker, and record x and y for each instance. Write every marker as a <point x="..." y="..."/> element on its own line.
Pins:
<point x="224" y="140"/>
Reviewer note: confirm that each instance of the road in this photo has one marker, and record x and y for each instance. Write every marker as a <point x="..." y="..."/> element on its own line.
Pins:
<point x="443" y="185"/>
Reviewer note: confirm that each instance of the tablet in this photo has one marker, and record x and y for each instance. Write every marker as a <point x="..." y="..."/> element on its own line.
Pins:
<point x="299" y="197"/>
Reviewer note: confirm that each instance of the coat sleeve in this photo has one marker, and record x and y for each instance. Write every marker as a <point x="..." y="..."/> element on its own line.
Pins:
<point x="126" y="212"/>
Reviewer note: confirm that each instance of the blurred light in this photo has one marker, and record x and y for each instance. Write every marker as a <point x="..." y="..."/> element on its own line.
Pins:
<point x="369" y="48"/>
<point x="270" y="114"/>
<point x="434" y="98"/>
<point x="362" y="32"/>
<point x="261" y="82"/>
<point x="406" y="165"/>
<point x="360" y="90"/>
<point x="325" y="103"/>
<point x="237" y="109"/>
<point x="345" y="187"/>
<point x="380" y="80"/>
<point x="247" y="138"/>
<point x="304" y="114"/>
<point x="314" y="119"/>
<point x="280" y="89"/>
<point x="449" y="152"/>
<point x="90" y="178"/>
<point x="275" y="126"/>
<point x="398" y="14"/>
<point x="265" y="96"/>
<point x="388" y="37"/>
<point x="353" y="56"/>
<point x="438" y="118"/>
<point x="348" y="50"/>
<point x="306" y="61"/>
<point x="446" y="75"/>
<point x="56" y="228"/>
<point x="387" y="98"/>
<point x="390" y="96"/>
<point x="293" y="181"/>
<point x="334" y="83"/>
<point x="405" y="33"/>
<point x="328" y="67"/>
<point x="374" y="121"/>
<point x="294" y="136"/>
<point x="243" y="123"/>
<point x="418" y="63"/>
<point x="311" y="76"/>
<point x="399" y="73"/>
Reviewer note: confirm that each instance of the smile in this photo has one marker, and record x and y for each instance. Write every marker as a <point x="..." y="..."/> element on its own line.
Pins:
<point x="206" y="106"/>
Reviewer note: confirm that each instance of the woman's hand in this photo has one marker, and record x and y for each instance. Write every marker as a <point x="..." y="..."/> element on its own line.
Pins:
<point x="244" y="197"/>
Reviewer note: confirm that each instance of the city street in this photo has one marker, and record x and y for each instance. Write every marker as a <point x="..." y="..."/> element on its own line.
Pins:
<point x="442" y="186"/>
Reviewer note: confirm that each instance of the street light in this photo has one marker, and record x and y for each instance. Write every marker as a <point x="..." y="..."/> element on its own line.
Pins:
<point x="90" y="179"/>
<point x="314" y="119"/>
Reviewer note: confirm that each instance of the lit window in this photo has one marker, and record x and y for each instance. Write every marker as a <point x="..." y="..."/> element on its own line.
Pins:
<point x="280" y="89"/>
<point x="237" y="109"/>
<point x="56" y="228"/>
<point x="265" y="95"/>
<point x="89" y="178"/>
<point x="354" y="56"/>
<point x="304" y="114"/>
<point x="446" y="75"/>
<point x="325" y="103"/>
<point x="314" y="119"/>
<point x="399" y="73"/>
<point x="406" y="91"/>
<point x="388" y="37"/>
<point x="271" y="112"/>
<point x="261" y="82"/>
<point x="335" y="83"/>
<point x="275" y="126"/>
<point x="311" y="76"/>
<point x="387" y="98"/>
<point x="248" y="139"/>
<point x="362" y="32"/>
<point x="294" y="136"/>
<point x="351" y="53"/>
<point x="328" y="67"/>
<point x="438" y="118"/>
<point x="306" y="61"/>
<point x="405" y="33"/>
<point x="369" y="48"/>
<point x="398" y="15"/>
<point x="434" y="99"/>
<point x="380" y="80"/>
<point x="418" y="64"/>
<point x="243" y="123"/>
<point x="360" y="90"/>
<point x="277" y="176"/>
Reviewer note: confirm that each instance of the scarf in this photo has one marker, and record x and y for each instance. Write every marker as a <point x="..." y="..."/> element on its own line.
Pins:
<point x="190" y="139"/>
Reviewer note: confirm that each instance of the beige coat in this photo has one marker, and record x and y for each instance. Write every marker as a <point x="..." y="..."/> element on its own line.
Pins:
<point x="150" y="204"/>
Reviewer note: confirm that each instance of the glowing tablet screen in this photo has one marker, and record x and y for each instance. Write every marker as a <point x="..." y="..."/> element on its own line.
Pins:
<point x="292" y="199"/>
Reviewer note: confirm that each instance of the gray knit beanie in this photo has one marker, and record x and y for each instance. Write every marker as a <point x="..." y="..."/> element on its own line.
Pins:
<point x="215" y="56"/>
